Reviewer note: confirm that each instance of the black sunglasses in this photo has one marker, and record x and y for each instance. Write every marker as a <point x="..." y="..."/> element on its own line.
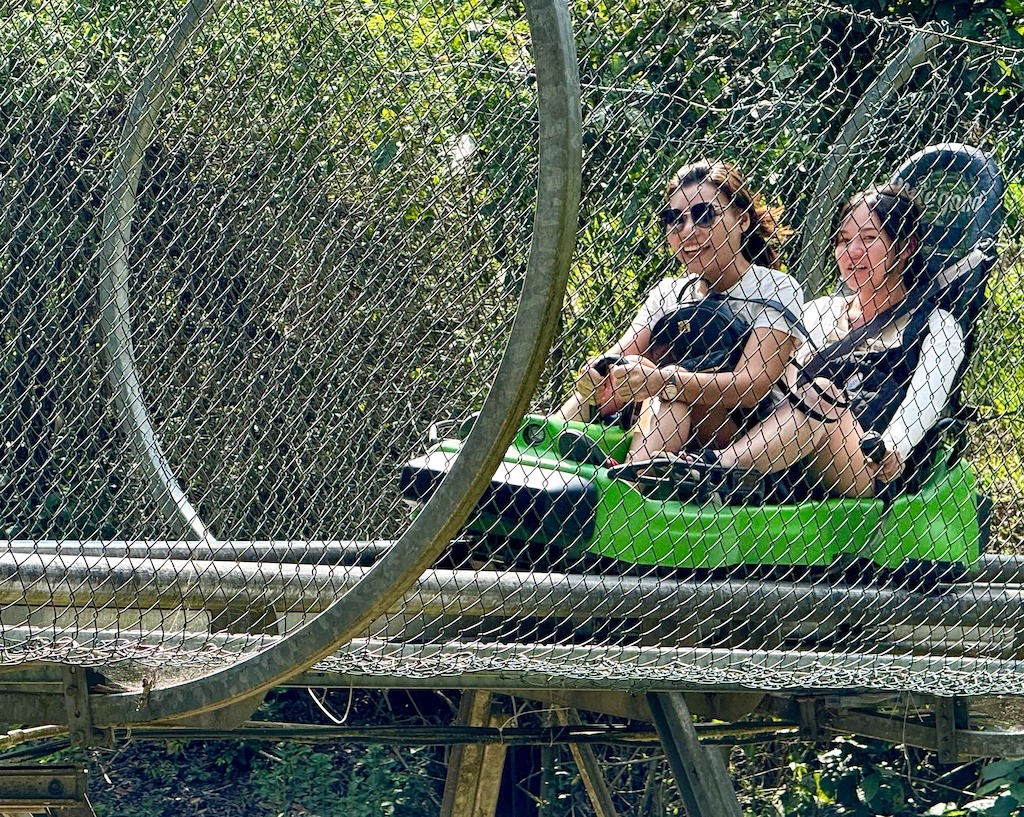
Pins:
<point x="702" y="214"/>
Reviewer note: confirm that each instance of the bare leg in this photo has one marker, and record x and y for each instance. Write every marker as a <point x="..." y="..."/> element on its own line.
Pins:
<point x="789" y="435"/>
<point x="711" y="426"/>
<point x="668" y="426"/>
<point x="841" y="465"/>
<point x="662" y="427"/>
<point x="785" y="437"/>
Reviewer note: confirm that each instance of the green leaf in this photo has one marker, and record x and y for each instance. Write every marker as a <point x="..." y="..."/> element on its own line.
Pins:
<point x="1000" y="769"/>
<point x="869" y="786"/>
<point x="990" y="786"/>
<point x="1003" y="807"/>
<point x="386" y="152"/>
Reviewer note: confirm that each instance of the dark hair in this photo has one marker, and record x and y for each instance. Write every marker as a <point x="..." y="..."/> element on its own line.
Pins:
<point x="899" y="213"/>
<point x="765" y="232"/>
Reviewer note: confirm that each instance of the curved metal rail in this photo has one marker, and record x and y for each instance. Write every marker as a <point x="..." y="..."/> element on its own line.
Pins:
<point x="115" y="310"/>
<point x="554" y="235"/>
<point x="835" y="172"/>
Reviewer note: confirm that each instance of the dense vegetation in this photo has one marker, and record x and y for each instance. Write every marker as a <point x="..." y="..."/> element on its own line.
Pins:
<point x="252" y="778"/>
<point x="332" y="194"/>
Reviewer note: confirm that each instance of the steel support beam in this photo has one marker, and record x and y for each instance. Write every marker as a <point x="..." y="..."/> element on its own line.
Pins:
<point x="700" y="773"/>
<point x="995" y="568"/>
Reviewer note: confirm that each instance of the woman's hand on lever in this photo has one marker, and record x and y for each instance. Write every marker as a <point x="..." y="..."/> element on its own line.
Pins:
<point x="638" y="379"/>
<point x="887" y="464"/>
<point x="588" y="383"/>
<point x="890" y="467"/>
<point x="595" y="385"/>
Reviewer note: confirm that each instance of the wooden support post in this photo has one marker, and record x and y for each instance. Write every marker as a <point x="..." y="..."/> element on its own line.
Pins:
<point x="701" y="774"/>
<point x="546" y="804"/>
<point x="473" y="781"/>
<point x="950" y="718"/>
<point x="590" y="771"/>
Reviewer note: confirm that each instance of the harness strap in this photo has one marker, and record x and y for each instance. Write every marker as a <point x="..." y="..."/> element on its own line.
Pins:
<point x="798" y="402"/>
<point x="845" y="345"/>
<point x="913" y="332"/>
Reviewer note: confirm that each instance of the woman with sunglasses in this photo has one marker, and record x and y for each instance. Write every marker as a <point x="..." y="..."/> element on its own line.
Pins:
<point x="723" y="235"/>
<point x="882" y="364"/>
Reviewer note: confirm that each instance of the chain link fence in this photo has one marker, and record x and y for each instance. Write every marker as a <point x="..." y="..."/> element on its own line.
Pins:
<point x="332" y="229"/>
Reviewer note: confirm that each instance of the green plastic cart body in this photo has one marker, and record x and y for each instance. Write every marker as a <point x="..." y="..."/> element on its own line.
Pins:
<point x="615" y="520"/>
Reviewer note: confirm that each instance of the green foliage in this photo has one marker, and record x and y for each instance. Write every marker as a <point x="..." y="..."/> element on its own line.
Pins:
<point x="1001" y="793"/>
<point x="368" y="168"/>
<point x="345" y="167"/>
<point x="293" y="777"/>
<point x="867" y="778"/>
<point x="1002" y="17"/>
<point x="256" y="779"/>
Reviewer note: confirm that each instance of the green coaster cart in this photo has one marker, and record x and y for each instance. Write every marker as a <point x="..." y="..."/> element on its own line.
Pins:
<point x="554" y="492"/>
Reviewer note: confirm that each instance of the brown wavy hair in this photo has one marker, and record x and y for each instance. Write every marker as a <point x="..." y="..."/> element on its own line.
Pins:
<point x="766" y="233"/>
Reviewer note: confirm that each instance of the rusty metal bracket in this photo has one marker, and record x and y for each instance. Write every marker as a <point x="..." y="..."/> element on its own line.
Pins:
<point x="59" y="790"/>
<point x="76" y="699"/>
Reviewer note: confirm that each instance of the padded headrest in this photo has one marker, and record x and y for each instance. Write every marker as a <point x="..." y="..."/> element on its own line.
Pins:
<point x="961" y="190"/>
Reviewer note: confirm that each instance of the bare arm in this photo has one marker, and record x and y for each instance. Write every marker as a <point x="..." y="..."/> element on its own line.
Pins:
<point x="634" y="342"/>
<point x="765" y="356"/>
<point x="763" y="362"/>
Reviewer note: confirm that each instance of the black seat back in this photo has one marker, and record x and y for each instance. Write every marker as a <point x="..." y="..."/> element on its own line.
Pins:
<point x="961" y="190"/>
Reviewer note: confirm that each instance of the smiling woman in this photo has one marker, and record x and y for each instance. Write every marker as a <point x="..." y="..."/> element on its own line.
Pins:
<point x="701" y="359"/>
<point x="885" y="365"/>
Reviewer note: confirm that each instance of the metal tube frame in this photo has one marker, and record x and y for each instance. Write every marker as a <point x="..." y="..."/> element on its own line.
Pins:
<point x="113" y="287"/>
<point x="554" y="236"/>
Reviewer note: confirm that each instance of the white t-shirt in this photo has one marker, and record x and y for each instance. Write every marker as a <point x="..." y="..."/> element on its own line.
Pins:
<point x="942" y="353"/>
<point x="757" y="282"/>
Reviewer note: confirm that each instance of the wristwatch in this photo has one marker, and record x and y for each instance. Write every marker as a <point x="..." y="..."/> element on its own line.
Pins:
<point x="670" y="391"/>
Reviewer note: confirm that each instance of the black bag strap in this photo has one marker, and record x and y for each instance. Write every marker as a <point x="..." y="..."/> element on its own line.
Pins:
<point x="872" y="329"/>
<point x="792" y="319"/>
<point x="795" y="322"/>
